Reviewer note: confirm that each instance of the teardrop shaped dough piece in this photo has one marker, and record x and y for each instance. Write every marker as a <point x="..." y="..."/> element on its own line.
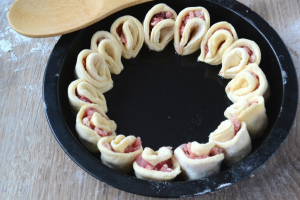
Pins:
<point x="130" y="35"/>
<point x="91" y="67"/>
<point x="107" y="46"/>
<point x="252" y="112"/>
<point x="159" y="26"/>
<point x="80" y="88"/>
<point x="191" y="26"/>
<point x="241" y="53"/>
<point x="217" y="39"/>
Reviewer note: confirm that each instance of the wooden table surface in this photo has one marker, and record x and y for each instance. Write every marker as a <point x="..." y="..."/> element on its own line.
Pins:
<point x="34" y="166"/>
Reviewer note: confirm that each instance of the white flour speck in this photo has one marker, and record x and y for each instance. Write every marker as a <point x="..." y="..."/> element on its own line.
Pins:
<point x="284" y="77"/>
<point x="224" y="185"/>
<point x="203" y="192"/>
<point x="5" y="46"/>
<point x="57" y="74"/>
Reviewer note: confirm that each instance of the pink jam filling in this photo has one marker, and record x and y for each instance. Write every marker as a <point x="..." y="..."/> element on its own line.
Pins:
<point x="206" y="46"/>
<point x="131" y="148"/>
<point x="252" y="57"/>
<point x="87" y="122"/>
<point x="252" y="102"/>
<point x="99" y="40"/>
<point x="187" y="150"/>
<point x="236" y="124"/>
<point x="121" y="34"/>
<point x="158" y="18"/>
<point x="82" y="98"/>
<point x="188" y="17"/>
<point x="257" y="77"/>
<point x="165" y="166"/>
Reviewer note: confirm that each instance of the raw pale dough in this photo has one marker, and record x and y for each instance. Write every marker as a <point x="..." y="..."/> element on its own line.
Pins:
<point x="237" y="56"/>
<point x="107" y="46"/>
<point x="235" y="149"/>
<point x="87" y="90"/>
<point x="253" y="115"/>
<point x="193" y="169"/>
<point x="91" y="67"/>
<point x="163" y="32"/>
<point x="193" y="32"/>
<point x="246" y="86"/>
<point x="119" y="161"/>
<point x="88" y="137"/>
<point x="132" y="30"/>
<point x="216" y="41"/>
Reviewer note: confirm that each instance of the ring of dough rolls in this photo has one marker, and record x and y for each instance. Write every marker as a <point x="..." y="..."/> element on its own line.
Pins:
<point x="250" y="82"/>
<point x="81" y="93"/>
<point x="163" y="31"/>
<point x="91" y="67"/>
<point x="236" y="147"/>
<point x="89" y="137"/>
<point x="195" y="22"/>
<point x="217" y="39"/>
<point x="163" y="154"/>
<point x="119" y="161"/>
<point x="130" y="35"/>
<point x="192" y="169"/>
<point x="107" y="46"/>
<point x="241" y="53"/>
<point x="252" y="112"/>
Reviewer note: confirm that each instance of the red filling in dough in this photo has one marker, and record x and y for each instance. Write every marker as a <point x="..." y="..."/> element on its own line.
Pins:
<point x="252" y="57"/>
<point x="87" y="122"/>
<point x="257" y="77"/>
<point x="158" y="18"/>
<point x="236" y="124"/>
<point x="206" y="46"/>
<point x="188" y="17"/>
<point x="252" y="102"/>
<point x="82" y="98"/>
<point x="131" y="148"/>
<point x="187" y="150"/>
<point x="165" y="166"/>
<point x="121" y="34"/>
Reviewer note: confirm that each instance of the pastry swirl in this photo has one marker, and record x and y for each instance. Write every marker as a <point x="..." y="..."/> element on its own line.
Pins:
<point x="91" y="67"/>
<point x="191" y="25"/>
<point x="130" y="35"/>
<point x="159" y="26"/>
<point x="217" y="39"/>
<point x="81" y="93"/>
<point x="107" y="46"/>
<point x="241" y="53"/>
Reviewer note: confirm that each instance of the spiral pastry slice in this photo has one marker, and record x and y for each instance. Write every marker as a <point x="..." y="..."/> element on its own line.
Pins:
<point x="241" y="53"/>
<point x="107" y="46"/>
<point x="190" y="27"/>
<point x="250" y="82"/>
<point x="199" y="160"/>
<point x="252" y="112"/>
<point x="233" y="137"/>
<point x="91" y="67"/>
<point x="119" y="152"/>
<point x="159" y="26"/>
<point x="217" y="39"/>
<point x="81" y="93"/>
<point x="130" y="35"/>
<point x="92" y="124"/>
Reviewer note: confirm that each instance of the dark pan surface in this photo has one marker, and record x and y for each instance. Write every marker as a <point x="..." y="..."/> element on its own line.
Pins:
<point x="168" y="100"/>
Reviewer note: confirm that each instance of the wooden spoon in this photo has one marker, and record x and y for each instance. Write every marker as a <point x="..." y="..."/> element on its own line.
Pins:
<point x="46" y="18"/>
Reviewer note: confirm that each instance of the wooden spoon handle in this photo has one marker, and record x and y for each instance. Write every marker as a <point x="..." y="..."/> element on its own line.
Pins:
<point x="36" y="18"/>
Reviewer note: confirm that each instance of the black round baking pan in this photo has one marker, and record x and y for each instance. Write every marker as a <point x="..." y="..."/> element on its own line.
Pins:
<point x="168" y="99"/>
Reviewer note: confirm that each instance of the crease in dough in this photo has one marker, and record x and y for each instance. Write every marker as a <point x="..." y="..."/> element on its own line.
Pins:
<point x="106" y="45"/>
<point x="241" y="53"/>
<point x="91" y="67"/>
<point x="199" y="160"/>
<point x="129" y="34"/>
<point x="252" y="112"/>
<point x="191" y="25"/>
<point x="119" y="152"/>
<point x="92" y="124"/>
<point x="248" y="83"/>
<point x="233" y="137"/>
<point x="159" y="26"/>
<point x="81" y="93"/>
<point x="215" y="42"/>
<point x="158" y="165"/>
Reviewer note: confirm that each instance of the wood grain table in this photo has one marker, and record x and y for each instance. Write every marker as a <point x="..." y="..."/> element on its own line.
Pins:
<point x="34" y="166"/>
